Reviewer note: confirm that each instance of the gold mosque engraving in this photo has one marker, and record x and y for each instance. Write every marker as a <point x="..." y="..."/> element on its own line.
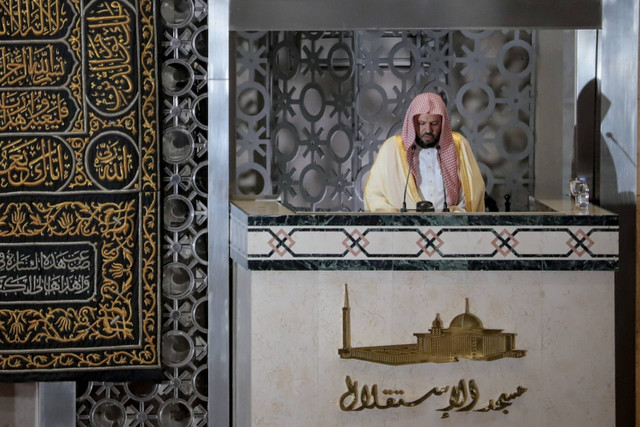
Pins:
<point x="465" y="337"/>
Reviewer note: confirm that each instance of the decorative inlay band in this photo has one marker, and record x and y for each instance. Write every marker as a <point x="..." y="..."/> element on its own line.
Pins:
<point x="450" y="247"/>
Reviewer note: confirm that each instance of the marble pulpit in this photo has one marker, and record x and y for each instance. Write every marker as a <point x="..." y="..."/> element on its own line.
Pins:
<point x="446" y="319"/>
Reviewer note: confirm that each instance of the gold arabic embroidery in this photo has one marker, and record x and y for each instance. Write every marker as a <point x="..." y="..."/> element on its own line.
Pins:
<point x="111" y="34"/>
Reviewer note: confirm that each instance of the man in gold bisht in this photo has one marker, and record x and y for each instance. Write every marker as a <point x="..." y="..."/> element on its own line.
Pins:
<point x="443" y="168"/>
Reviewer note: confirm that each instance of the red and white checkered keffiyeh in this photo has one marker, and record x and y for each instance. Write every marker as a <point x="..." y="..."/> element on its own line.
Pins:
<point x="431" y="103"/>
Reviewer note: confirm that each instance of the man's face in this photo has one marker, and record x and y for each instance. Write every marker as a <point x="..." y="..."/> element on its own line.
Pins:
<point x="428" y="127"/>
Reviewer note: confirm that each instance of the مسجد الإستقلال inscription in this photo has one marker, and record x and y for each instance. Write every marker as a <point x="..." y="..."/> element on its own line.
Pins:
<point x="463" y="397"/>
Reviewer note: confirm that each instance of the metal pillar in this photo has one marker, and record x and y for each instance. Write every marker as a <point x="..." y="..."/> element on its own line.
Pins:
<point x="218" y="214"/>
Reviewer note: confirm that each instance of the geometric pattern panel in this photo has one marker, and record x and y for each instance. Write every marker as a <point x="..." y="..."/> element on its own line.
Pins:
<point x="180" y="395"/>
<point x="313" y="108"/>
<point x="79" y="188"/>
<point x="474" y="242"/>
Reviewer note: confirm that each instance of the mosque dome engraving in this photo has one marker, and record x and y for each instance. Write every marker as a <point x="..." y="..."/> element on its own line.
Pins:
<point x="466" y="321"/>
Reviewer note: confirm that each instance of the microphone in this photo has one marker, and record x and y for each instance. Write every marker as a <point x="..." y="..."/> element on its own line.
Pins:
<point x="444" y="187"/>
<point x="406" y="184"/>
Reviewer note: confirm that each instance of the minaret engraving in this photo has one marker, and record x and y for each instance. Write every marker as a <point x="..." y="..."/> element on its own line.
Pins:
<point x="346" y="324"/>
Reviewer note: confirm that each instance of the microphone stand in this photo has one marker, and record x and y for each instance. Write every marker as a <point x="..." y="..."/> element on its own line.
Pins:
<point x="444" y="187"/>
<point x="406" y="184"/>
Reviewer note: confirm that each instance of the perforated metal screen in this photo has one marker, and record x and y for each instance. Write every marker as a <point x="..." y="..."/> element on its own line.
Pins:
<point x="180" y="399"/>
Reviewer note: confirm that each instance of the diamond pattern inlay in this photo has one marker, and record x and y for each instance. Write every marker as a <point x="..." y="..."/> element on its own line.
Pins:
<point x="580" y="243"/>
<point x="430" y="243"/>
<point x="279" y="242"/>
<point x="504" y="242"/>
<point x="355" y="242"/>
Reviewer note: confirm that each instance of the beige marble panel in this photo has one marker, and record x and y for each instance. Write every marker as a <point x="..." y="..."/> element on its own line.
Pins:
<point x="563" y="319"/>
